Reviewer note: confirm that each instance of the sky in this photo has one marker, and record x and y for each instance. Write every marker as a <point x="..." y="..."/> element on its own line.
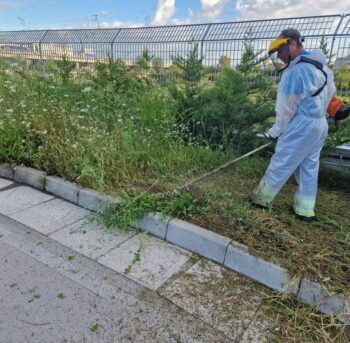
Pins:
<point x="54" y="14"/>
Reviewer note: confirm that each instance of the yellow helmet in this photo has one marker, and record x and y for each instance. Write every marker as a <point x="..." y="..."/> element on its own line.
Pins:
<point x="277" y="43"/>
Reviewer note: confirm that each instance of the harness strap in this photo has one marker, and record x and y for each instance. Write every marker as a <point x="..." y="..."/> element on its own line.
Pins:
<point x="319" y="66"/>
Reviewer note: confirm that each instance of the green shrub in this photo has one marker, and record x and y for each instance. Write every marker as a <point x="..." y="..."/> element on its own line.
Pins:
<point x="230" y="113"/>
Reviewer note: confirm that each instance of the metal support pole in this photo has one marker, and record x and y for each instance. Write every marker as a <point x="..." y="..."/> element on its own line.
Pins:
<point x="40" y="42"/>
<point x="112" y="44"/>
<point x="334" y="36"/>
<point x="203" y="39"/>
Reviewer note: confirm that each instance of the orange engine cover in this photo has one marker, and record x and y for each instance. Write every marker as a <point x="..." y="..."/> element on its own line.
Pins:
<point x="334" y="106"/>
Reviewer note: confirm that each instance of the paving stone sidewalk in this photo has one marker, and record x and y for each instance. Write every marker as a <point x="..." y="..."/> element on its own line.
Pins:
<point x="221" y="298"/>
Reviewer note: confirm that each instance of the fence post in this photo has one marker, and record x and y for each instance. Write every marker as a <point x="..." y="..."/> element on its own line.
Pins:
<point x="40" y="42"/>
<point x="112" y="43"/>
<point x="334" y="35"/>
<point x="203" y="39"/>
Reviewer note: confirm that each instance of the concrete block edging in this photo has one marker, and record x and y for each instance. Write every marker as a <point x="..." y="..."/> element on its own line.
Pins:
<point x="7" y="171"/>
<point x="30" y="176"/>
<point x="220" y="249"/>
<point x="62" y="188"/>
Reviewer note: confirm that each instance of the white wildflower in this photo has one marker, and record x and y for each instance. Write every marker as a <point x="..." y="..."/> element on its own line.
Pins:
<point x="87" y="89"/>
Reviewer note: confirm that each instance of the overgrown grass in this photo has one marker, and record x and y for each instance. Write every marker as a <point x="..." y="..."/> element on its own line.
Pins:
<point x="120" y="133"/>
<point x="96" y="131"/>
<point x="319" y="249"/>
<point x="135" y="206"/>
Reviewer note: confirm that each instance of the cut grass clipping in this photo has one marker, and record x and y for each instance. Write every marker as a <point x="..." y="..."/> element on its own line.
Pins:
<point x="297" y="323"/>
<point x="123" y="215"/>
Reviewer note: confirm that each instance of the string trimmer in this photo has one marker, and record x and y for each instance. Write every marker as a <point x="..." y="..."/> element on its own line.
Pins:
<point x="189" y="186"/>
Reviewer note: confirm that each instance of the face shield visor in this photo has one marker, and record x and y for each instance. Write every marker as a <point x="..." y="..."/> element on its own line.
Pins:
<point x="279" y="53"/>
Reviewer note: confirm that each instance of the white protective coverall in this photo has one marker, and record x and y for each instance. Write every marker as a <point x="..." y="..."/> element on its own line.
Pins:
<point x="301" y="128"/>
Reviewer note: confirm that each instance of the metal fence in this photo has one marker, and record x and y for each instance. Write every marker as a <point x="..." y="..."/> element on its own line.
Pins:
<point x="216" y="42"/>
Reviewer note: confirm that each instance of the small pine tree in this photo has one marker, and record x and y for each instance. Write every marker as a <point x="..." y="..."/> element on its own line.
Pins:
<point x="191" y="66"/>
<point x="250" y="58"/>
<point x="144" y="61"/>
<point x="324" y="48"/>
<point x="65" y="67"/>
<point x="158" y="65"/>
<point x="224" y="62"/>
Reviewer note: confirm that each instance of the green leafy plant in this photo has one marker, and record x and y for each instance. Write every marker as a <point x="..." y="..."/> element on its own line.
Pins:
<point x="231" y="112"/>
<point x="95" y="327"/>
<point x="133" y="207"/>
<point x="136" y="258"/>
<point x="144" y="61"/>
<point x="191" y="66"/>
<point x="65" y="68"/>
<point x="250" y="58"/>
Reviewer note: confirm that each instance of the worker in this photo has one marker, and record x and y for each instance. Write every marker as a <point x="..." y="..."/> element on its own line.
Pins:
<point x="301" y="127"/>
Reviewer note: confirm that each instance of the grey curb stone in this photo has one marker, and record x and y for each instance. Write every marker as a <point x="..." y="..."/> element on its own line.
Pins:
<point x="154" y="224"/>
<point x="93" y="200"/>
<point x="345" y="316"/>
<point x="267" y="273"/>
<point x="311" y="292"/>
<point x="30" y="177"/>
<point x="198" y="240"/>
<point x="336" y="305"/>
<point x="61" y="188"/>
<point x="6" y="171"/>
<point x="332" y="305"/>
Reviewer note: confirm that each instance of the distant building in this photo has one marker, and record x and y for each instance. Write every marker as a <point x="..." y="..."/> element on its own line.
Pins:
<point x="342" y="62"/>
<point x="56" y="50"/>
<point x="16" y="48"/>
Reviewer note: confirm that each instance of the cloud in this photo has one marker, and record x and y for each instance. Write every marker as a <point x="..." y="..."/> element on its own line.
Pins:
<point x="6" y="5"/>
<point x="266" y="9"/>
<point x="107" y="25"/>
<point x="117" y="23"/>
<point x="212" y="9"/>
<point x="103" y="13"/>
<point x="164" y="12"/>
